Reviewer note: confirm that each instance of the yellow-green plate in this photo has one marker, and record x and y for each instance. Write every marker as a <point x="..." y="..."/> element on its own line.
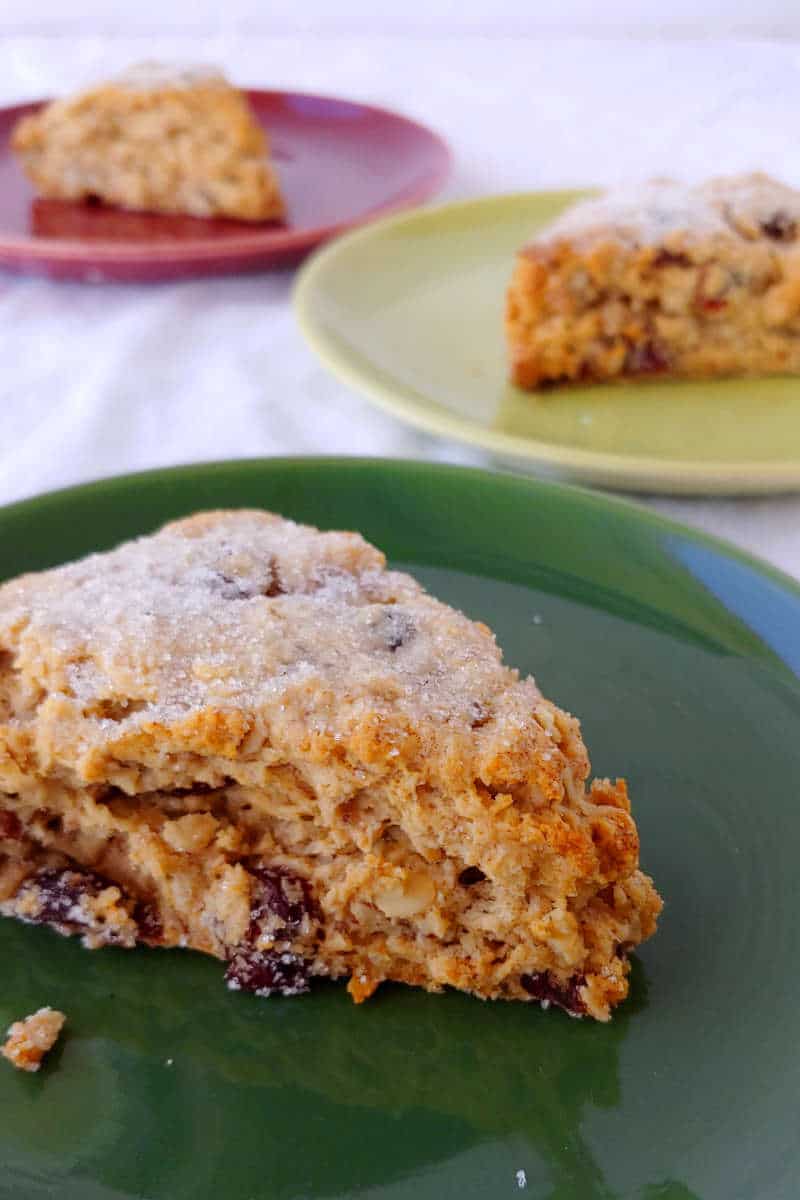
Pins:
<point x="410" y="311"/>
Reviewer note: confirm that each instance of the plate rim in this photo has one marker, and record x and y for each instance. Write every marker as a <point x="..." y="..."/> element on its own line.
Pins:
<point x="19" y="249"/>
<point x="637" y="473"/>
<point x="501" y="477"/>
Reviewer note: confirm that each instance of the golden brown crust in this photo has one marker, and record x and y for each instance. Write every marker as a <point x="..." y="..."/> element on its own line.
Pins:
<point x="158" y="142"/>
<point x="249" y="737"/>
<point x="666" y="282"/>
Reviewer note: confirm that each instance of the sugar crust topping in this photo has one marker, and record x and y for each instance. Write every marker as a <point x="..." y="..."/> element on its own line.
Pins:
<point x="234" y="610"/>
<point x="649" y="212"/>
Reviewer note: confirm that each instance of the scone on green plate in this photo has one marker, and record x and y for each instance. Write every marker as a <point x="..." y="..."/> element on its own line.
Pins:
<point x="248" y="737"/>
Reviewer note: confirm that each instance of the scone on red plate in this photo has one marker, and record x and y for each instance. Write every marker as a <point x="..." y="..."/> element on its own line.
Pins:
<point x="248" y="737"/>
<point x="664" y="281"/>
<point x="157" y="139"/>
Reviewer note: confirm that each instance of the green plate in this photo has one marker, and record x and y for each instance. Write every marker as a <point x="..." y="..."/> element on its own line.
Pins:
<point x="409" y="311"/>
<point x="681" y="656"/>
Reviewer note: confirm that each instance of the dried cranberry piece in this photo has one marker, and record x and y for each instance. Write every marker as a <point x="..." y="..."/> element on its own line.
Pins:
<point x="279" y="894"/>
<point x="146" y="917"/>
<point x="10" y="825"/>
<point x="668" y="258"/>
<point x="780" y="226"/>
<point x="645" y="359"/>
<point x="479" y="715"/>
<point x="265" y="972"/>
<point x="541" y="987"/>
<point x="397" y="629"/>
<point x="60" y="892"/>
<point x="471" y="875"/>
<point x="275" y="586"/>
<point x="280" y="904"/>
<point x="231" y="588"/>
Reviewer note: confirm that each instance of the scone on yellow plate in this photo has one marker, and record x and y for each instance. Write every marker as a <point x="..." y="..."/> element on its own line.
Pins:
<point x="248" y="737"/>
<point x="662" y="281"/>
<point x="155" y="139"/>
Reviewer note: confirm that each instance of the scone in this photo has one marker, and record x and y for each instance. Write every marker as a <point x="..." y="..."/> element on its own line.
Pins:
<point x="666" y="281"/>
<point x="248" y="737"/>
<point x="155" y="139"/>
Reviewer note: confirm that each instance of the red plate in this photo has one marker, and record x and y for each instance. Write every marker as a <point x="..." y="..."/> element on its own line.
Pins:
<point x="339" y="164"/>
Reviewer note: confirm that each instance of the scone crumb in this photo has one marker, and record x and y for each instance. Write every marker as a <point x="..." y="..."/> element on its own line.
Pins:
<point x="30" y="1039"/>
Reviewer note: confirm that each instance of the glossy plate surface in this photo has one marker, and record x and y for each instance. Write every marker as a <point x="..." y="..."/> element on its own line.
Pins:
<point x="339" y="163"/>
<point x="681" y="658"/>
<point x="410" y="311"/>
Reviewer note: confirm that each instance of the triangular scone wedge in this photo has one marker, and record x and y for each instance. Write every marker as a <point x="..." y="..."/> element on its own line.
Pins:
<point x="248" y="737"/>
<point x="156" y="139"/>
<point x="665" y="280"/>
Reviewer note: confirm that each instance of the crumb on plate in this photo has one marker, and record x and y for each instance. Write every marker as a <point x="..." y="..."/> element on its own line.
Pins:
<point x="30" y="1039"/>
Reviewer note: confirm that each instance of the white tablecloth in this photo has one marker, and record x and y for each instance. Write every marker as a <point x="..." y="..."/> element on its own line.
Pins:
<point x="97" y="380"/>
